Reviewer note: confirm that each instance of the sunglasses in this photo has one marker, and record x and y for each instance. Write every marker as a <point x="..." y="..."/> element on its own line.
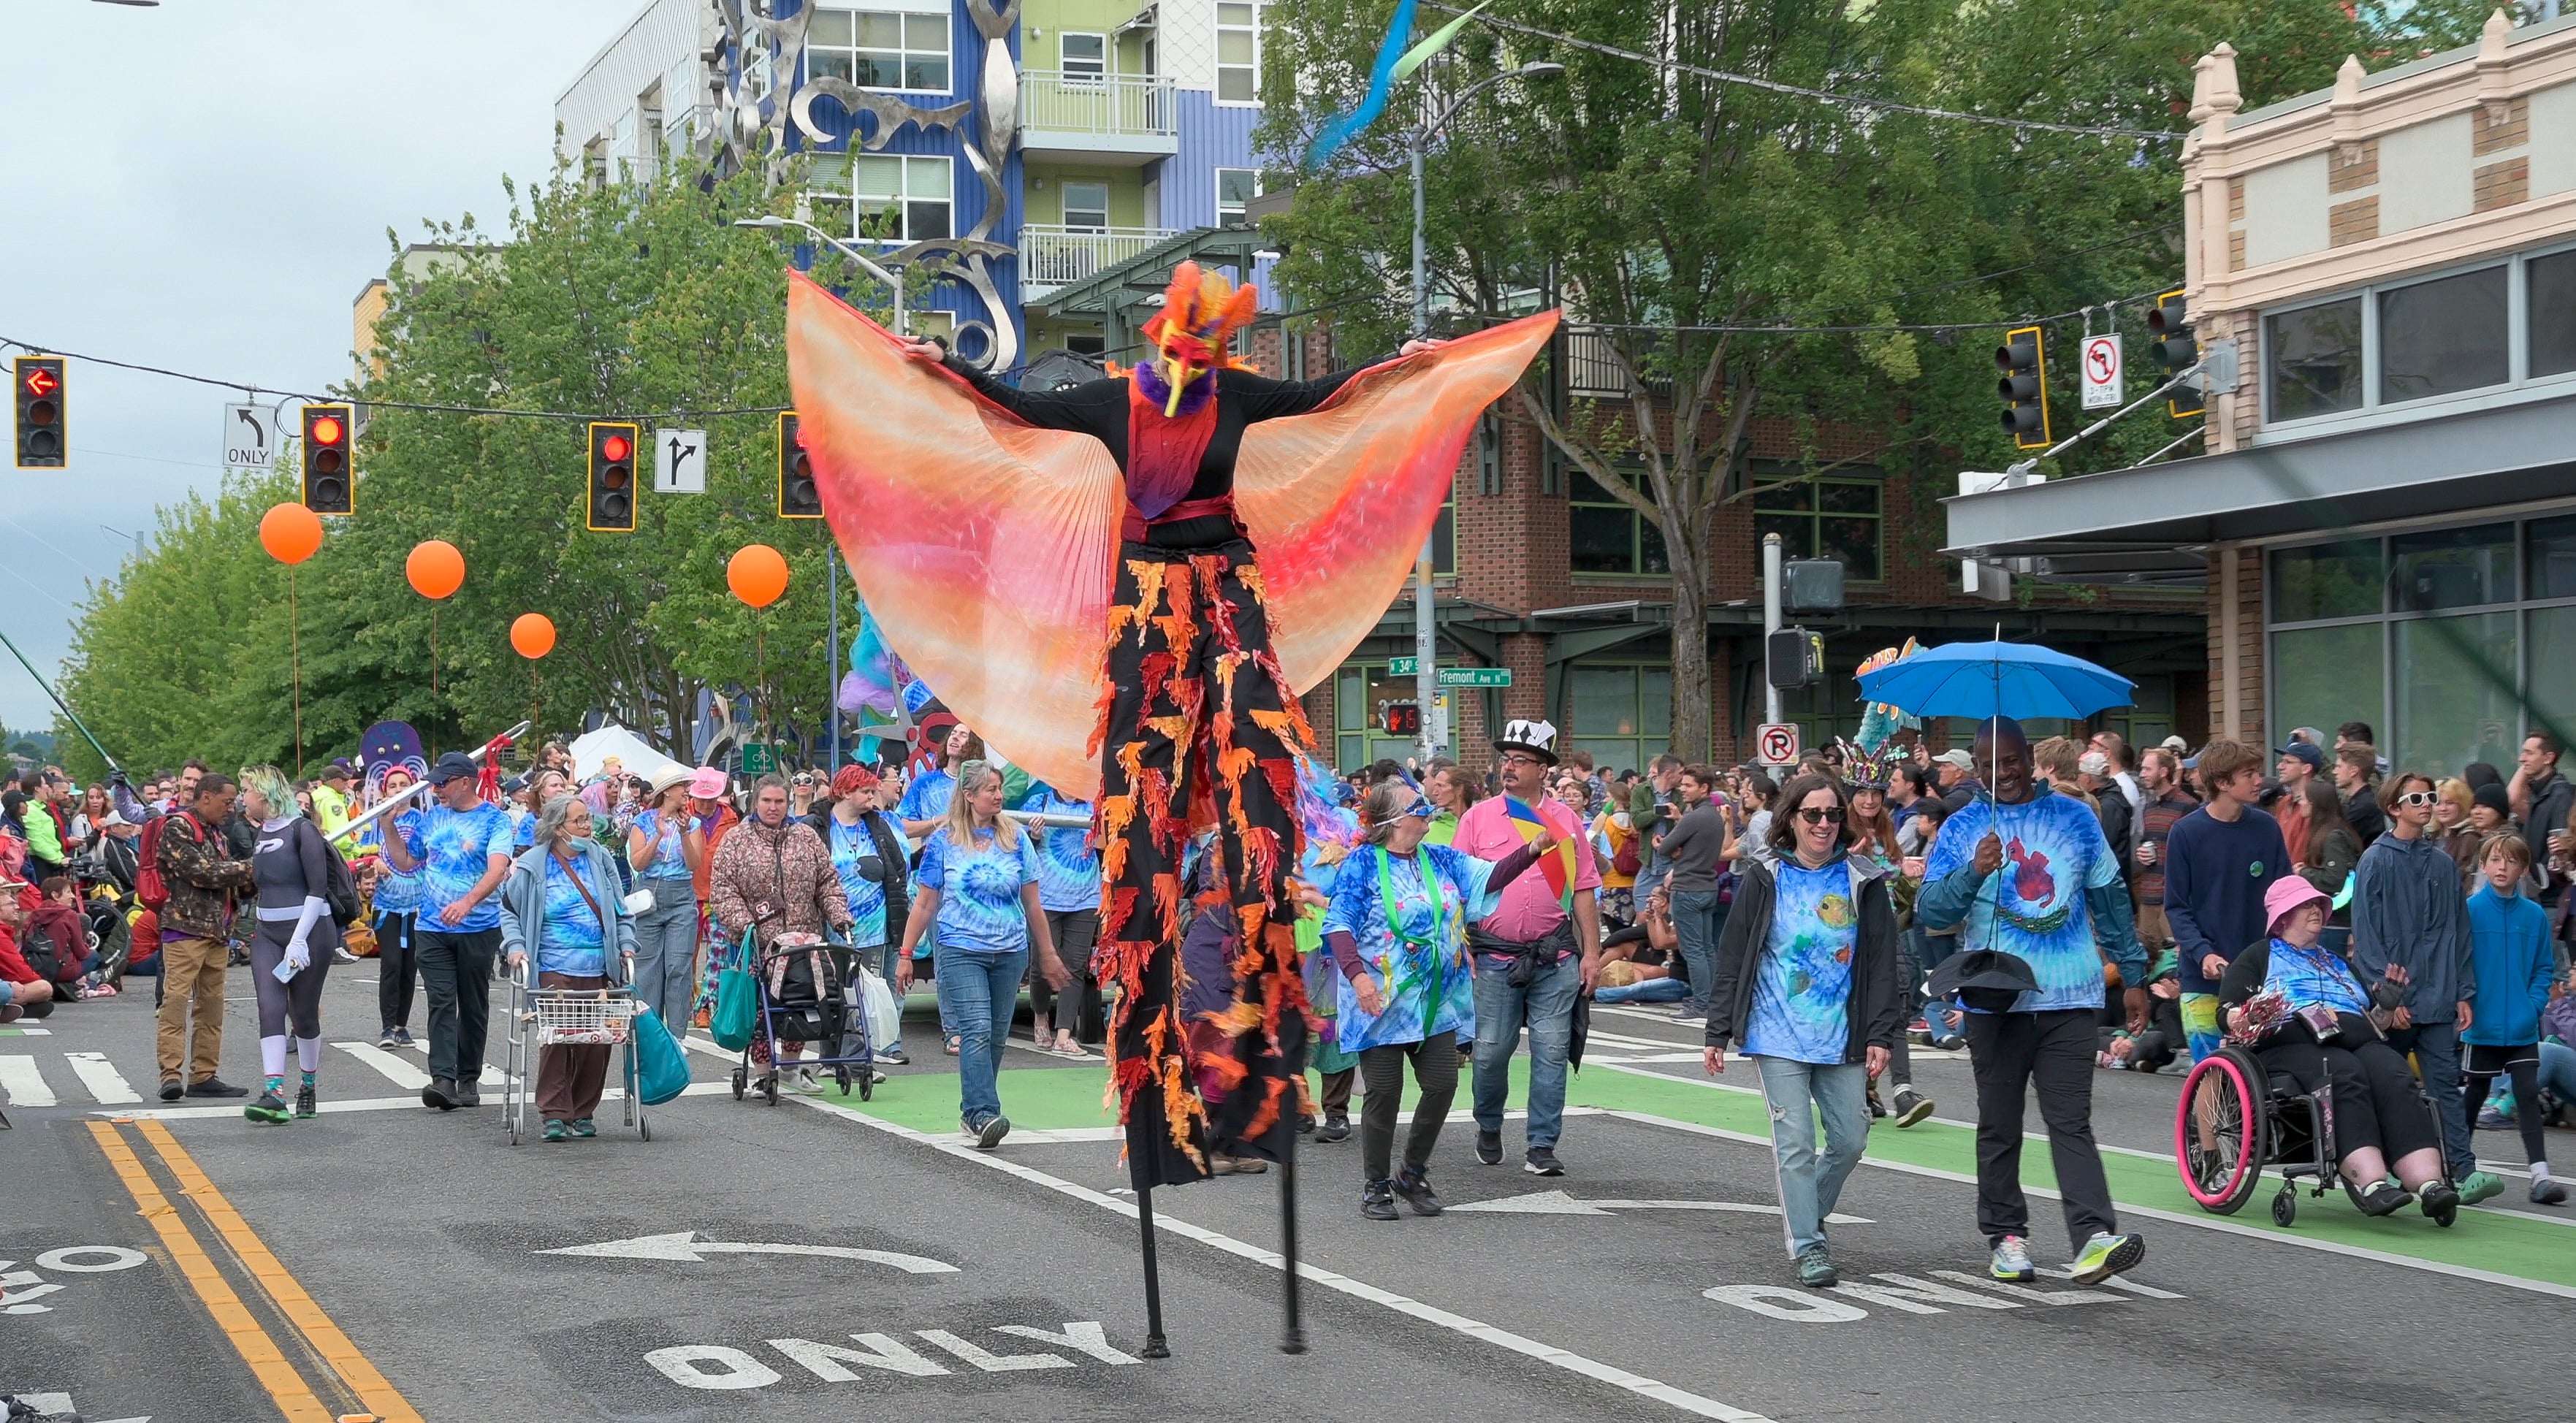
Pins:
<point x="2418" y="798"/>
<point x="1821" y="815"/>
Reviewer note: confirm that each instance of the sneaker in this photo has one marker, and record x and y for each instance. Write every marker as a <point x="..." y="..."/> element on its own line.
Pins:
<point x="1690" y="1015"/>
<point x="1816" y="1268"/>
<point x="1414" y="1184"/>
<point x="2480" y="1186"/>
<point x="989" y="1132"/>
<point x="340" y="954"/>
<point x="804" y="1079"/>
<point x="1336" y="1127"/>
<point x="584" y="1127"/>
<point x="403" y="1038"/>
<point x="2493" y="1119"/>
<point x="2384" y="1198"/>
<point x="1250" y="1165"/>
<point x="304" y="1104"/>
<point x="2438" y="1197"/>
<point x="2011" y="1260"/>
<point x="215" y="1087"/>
<point x="2106" y="1255"/>
<point x="440" y="1093"/>
<point x="172" y="1089"/>
<point x="555" y="1130"/>
<point x="1541" y="1161"/>
<point x="1917" y="1027"/>
<point x="1377" y="1200"/>
<point x="2548" y="1193"/>
<point x="896" y="1056"/>
<point x="387" y="1040"/>
<point x="1911" y="1106"/>
<point x="1489" y="1147"/>
<point x="269" y="1110"/>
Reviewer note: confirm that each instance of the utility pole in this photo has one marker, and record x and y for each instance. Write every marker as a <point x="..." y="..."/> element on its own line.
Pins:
<point x="1770" y="620"/>
<point x="1426" y="628"/>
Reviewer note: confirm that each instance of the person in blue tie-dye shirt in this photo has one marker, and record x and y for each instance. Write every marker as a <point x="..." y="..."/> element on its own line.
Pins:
<point x="461" y="847"/>
<point x="978" y="881"/>
<point x="2032" y="876"/>
<point x="395" y="897"/>
<point x="1069" y="892"/>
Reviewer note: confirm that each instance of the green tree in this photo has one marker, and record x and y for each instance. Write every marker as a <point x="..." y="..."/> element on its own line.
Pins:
<point x="1669" y="210"/>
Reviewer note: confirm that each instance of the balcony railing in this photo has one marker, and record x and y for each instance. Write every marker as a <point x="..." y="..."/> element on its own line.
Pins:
<point x="1122" y="106"/>
<point x="1053" y="256"/>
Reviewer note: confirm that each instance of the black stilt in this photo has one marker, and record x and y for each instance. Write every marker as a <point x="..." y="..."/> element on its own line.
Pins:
<point x="1292" y="1340"/>
<point x="1155" y="1348"/>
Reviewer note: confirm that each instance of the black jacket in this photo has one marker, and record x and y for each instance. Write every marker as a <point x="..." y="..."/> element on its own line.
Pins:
<point x="897" y="872"/>
<point x="1877" y="1002"/>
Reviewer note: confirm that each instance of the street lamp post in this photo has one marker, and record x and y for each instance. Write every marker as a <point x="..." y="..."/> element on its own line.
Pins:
<point x="891" y="276"/>
<point x="1426" y="631"/>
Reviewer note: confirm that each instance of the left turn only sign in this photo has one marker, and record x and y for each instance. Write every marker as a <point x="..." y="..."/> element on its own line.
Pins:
<point x="250" y="437"/>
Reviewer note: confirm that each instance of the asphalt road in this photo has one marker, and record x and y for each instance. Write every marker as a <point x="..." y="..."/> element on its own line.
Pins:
<point x="829" y="1258"/>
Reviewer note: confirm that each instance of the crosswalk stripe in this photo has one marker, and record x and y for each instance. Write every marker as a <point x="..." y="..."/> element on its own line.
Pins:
<point x="24" y="1084"/>
<point x="402" y="1073"/>
<point x="101" y="1078"/>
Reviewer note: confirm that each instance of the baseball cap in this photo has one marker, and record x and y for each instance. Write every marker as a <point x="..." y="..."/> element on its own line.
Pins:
<point x="2306" y="751"/>
<point x="1956" y="757"/>
<point x="2094" y="763"/>
<point x="454" y="766"/>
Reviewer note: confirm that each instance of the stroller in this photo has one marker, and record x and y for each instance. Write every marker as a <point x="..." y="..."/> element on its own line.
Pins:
<point x="803" y="984"/>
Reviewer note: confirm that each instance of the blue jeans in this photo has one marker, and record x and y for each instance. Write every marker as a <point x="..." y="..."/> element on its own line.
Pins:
<point x="666" y="954"/>
<point x="979" y="992"/>
<point x="1647" y="990"/>
<point x="2437" y="1061"/>
<point x="1695" y="920"/>
<point x="1810" y="1184"/>
<point x="2558" y="1069"/>
<point x="1547" y="1005"/>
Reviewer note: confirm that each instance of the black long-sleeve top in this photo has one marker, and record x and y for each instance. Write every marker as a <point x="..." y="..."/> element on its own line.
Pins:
<point x="1099" y="408"/>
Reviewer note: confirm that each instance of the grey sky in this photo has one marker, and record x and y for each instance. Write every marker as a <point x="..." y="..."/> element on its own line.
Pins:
<point x="225" y="171"/>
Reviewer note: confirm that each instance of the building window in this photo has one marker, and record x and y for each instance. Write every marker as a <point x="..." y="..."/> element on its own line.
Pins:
<point x="1821" y="518"/>
<point x="1606" y="536"/>
<point x="892" y="197"/>
<point x="2442" y="337"/>
<point x="1086" y="207"/>
<point x="2451" y="568"/>
<point x="1238" y="52"/>
<point x="1082" y="56"/>
<point x="1622" y="714"/>
<point x="879" y="49"/>
<point x="2315" y="355"/>
<point x="1235" y="188"/>
<point x="1087" y="345"/>
<point x="2549" y="295"/>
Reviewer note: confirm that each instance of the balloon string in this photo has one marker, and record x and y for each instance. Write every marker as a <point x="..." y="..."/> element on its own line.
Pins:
<point x="433" y="672"/>
<point x="295" y="664"/>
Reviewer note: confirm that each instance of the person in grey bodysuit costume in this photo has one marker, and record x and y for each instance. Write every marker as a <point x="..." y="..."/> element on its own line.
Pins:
<point x="291" y="951"/>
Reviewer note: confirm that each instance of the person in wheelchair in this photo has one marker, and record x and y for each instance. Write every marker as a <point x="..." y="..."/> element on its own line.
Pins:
<point x="2313" y="1022"/>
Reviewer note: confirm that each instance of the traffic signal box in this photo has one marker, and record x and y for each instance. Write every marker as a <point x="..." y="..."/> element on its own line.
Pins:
<point x="330" y="479"/>
<point x="612" y="477"/>
<point x="2023" y="359"/>
<point x="799" y="496"/>
<point x="2176" y="350"/>
<point x="36" y="387"/>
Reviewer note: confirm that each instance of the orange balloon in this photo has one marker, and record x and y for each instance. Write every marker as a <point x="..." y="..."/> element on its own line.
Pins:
<point x="290" y="532"/>
<point x="757" y="575"/>
<point x="533" y="635"/>
<point x="435" y="568"/>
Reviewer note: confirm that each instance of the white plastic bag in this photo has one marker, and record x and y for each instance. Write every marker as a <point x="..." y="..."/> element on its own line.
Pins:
<point x="885" y="1015"/>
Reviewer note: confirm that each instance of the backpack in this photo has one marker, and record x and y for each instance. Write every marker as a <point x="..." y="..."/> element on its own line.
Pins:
<point x="150" y="887"/>
<point x="340" y="887"/>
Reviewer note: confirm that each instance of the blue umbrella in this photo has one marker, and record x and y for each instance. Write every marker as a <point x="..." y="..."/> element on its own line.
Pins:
<point x="1981" y="680"/>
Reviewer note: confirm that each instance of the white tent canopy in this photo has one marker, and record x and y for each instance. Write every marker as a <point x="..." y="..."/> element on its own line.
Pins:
<point x="595" y="749"/>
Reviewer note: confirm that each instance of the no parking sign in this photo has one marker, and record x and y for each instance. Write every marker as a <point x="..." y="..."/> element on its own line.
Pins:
<point x="1775" y="743"/>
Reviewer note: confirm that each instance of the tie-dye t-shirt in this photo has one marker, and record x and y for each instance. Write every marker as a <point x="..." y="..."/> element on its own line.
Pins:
<point x="852" y="846"/>
<point x="2033" y="906"/>
<point x="1802" y="983"/>
<point x="1423" y="977"/>
<point x="927" y="797"/>
<point x="670" y="858"/>
<point x="1068" y="872"/>
<point x="2315" y="974"/>
<point x="456" y="849"/>
<point x="979" y="891"/>
<point x="396" y="892"/>
<point x="572" y="939"/>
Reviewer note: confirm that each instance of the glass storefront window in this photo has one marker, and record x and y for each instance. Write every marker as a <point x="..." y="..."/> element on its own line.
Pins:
<point x="2443" y="336"/>
<point x="2456" y="698"/>
<point x="2323" y="677"/>
<point x="2553" y="672"/>
<point x="2325" y="581"/>
<point x="1622" y="714"/>
<point x="2550" y="553"/>
<point x="2453" y="568"/>
<point x="2315" y="358"/>
<point x="2549" y="301"/>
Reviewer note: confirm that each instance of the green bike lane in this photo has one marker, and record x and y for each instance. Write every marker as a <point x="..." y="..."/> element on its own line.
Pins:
<point x="2509" y="1248"/>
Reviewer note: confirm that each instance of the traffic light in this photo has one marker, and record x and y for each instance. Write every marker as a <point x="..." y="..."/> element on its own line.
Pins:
<point x="37" y="384"/>
<point x="1404" y="718"/>
<point x="799" y="497"/>
<point x="2176" y="351"/>
<point x="612" y="477"/>
<point x="329" y="483"/>
<point x="2023" y="358"/>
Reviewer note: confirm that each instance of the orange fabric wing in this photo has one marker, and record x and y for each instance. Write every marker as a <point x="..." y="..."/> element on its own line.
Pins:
<point x="981" y="544"/>
<point x="1339" y="500"/>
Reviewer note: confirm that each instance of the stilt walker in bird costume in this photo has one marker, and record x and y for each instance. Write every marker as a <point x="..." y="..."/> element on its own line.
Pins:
<point x="1124" y="586"/>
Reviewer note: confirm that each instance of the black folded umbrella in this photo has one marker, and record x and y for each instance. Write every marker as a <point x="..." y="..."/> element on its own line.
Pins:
<point x="1582" y="1029"/>
<point x="1988" y="980"/>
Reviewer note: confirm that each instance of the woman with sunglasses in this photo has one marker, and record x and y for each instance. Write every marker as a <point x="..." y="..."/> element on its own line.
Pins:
<point x="1806" y="986"/>
<point x="1397" y="930"/>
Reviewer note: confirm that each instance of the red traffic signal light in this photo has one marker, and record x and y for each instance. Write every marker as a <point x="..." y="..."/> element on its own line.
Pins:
<point x="37" y="391"/>
<point x="41" y="382"/>
<point x="612" y="478"/>
<point x="616" y="449"/>
<point x="329" y="485"/>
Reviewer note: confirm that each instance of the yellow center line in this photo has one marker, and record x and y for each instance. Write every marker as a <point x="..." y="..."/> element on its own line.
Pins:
<point x="252" y="1342"/>
<point x="362" y="1376"/>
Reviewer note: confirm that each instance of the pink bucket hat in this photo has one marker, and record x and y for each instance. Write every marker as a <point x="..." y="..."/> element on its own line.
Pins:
<point x="707" y="784"/>
<point x="2287" y="893"/>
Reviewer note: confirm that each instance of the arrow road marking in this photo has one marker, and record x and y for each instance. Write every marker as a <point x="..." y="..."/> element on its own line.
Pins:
<point x="685" y="1245"/>
<point x="1559" y="1203"/>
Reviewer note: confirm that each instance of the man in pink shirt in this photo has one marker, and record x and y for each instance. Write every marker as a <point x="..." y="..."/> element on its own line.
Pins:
<point x="1533" y="958"/>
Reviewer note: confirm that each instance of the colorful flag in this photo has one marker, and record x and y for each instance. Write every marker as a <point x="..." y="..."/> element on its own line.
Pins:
<point x="1558" y="864"/>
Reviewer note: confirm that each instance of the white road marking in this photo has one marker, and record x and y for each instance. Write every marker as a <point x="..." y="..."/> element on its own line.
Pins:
<point x="399" y="1072"/>
<point x="1559" y="1203"/>
<point x="104" y="1082"/>
<point x="362" y="1104"/>
<point x="24" y="1084"/>
<point x="684" y="1245"/>
<point x="1566" y="1359"/>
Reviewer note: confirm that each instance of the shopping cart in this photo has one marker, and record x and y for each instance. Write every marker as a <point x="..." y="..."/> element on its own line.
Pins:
<point x="567" y="1017"/>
